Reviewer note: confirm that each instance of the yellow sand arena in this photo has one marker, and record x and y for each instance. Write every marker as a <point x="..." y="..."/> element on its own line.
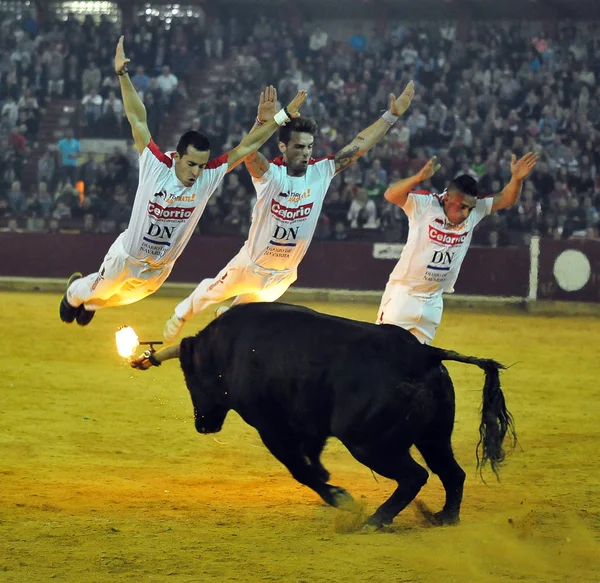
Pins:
<point x="103" y="477"/>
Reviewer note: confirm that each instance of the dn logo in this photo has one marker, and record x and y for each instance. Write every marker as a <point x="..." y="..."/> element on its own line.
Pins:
<point x="160" y="234"/>
<point x="442" y="257"/>
<point x="283" y="236"/>
<point x="441" y="260"/>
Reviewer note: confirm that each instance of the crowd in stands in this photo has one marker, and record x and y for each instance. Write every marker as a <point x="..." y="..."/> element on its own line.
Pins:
<point x="506" y="89"/>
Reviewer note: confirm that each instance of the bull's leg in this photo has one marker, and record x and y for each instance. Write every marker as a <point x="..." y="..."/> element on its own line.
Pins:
<point x="287" y="447"/>
<point x="313" y="447"/>
<point x="397" y="465"/>
<point x="436" y="448"/>
<point x="439" y="457"/>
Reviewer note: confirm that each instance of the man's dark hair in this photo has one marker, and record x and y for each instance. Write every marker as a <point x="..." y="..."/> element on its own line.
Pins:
<point x="465" y="184"/>
<point x="298" y="124"/>
<point x="195" y="139"/>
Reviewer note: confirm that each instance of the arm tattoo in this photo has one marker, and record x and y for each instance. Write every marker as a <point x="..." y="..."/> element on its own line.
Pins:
<point x="346" y="156"/>
<point x="256" y="164"/>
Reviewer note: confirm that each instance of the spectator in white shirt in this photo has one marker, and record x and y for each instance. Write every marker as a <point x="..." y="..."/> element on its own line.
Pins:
<point x="92" y="108"/>
<point x="167" y="83"/>
<point x="363" y="212"/>
<point x="11" y="108"/>
<point x="318" y="40"/>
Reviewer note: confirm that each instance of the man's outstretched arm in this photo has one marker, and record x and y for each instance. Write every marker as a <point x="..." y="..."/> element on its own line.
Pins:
<point x="134" y="108"/>
<point x="364" y="141"/>
<point x="256" y="164"/>
<point x="397" y="193"/>
<point x="260" y="133"/>
<point x="520" y="170"/>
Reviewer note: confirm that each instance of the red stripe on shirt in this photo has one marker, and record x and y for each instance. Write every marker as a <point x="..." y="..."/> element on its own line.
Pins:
<point x="159" y="155"/>
<point x="420" y="192"/>
<point x="216" y="162"/>
<point x="280" y="162"/>
<point x="315" y="160"/>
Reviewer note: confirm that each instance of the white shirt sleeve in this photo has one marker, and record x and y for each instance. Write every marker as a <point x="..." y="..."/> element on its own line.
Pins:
<point x="271" y="182"/>
<point x="153" y="163"/>
<point x="417" y="204"/>
<point x="483" y="208"/>
<point x="214" y="173"/>
<point x="326" y="168"/>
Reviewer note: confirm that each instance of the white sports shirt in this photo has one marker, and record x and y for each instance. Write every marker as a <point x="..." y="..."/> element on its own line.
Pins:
<point x="435" y="249"/>
<point x="286" y="212"/>
<point x="165" y="212"/>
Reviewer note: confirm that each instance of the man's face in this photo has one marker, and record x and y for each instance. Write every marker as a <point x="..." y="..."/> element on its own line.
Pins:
<point x="189" y="166"/>
<point x="458" y="206"/>
<point x="297" y="152"/>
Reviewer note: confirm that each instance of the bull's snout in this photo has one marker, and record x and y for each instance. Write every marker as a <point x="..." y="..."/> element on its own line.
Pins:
<point x="204" y="424"/>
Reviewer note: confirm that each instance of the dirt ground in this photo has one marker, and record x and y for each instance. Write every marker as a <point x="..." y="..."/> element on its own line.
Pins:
<point x="103" y="477"/>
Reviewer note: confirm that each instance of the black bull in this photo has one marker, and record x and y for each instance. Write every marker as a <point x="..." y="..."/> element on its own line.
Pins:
<point x="299" y="377"/>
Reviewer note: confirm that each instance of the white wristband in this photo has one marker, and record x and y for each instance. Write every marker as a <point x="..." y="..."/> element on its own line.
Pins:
<point x="390" y="118"/>
<point x="281" y="117"/>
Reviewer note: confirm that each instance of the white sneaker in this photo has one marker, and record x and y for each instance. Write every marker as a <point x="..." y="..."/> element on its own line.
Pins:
<point x="221" y="310"/>
<point x="172" y="328"/>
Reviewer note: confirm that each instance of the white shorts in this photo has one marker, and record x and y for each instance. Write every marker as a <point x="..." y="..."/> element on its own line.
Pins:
<point x="121" y="280"/>
<point x="242" y="278"/>
<point x="419" y="315"/>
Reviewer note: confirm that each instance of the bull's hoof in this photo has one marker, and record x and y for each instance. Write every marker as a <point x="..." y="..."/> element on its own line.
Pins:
<point x="375" y="522"/>
<point x="440" y="518"/>
<point x="447" y="519"/>
<point x="370" y="528"/>
<point x="338" y="497"/>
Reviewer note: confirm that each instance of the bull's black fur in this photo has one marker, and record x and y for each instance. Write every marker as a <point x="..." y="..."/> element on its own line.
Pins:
<point x="299" y="377"/>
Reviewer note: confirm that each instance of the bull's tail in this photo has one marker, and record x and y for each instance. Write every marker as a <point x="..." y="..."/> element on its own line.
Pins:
<point x="496" y="420"/>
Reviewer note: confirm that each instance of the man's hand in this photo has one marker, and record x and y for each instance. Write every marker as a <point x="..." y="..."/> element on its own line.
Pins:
<point x="267" y="107"/>
<point x="296" y="103"/>
<point x="144" y="361"/>
<point x="120" y="59"/>
<point x="429" y="169"/>
<point x="267" y="104"/>
<point x="522" y="168"/>
<point x="400" y="105"/>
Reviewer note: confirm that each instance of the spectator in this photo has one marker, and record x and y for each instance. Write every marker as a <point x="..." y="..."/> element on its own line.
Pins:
<point x="91" y="79"/>
<point x="69" y="150"/>
<point x="140" y="81"/>
<point x="10" y="109"/>
<point x="167" y="83"/>
<point x="363" y="212"/>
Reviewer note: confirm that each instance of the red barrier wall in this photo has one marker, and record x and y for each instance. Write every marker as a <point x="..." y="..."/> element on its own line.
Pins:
<point x="328" y="264"/>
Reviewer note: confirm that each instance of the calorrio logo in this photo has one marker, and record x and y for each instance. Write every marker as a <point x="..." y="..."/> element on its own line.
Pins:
<point x="449" y="239"/>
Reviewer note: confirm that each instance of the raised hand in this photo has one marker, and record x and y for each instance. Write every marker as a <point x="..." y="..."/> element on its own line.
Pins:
<point x="268" y="104"/>
<point x="429" y="169"/>
<point x="296" y="103"/>
<point x="120" y="59"/>
<point x="400" y="105"/>
<point x="522" y="168"/>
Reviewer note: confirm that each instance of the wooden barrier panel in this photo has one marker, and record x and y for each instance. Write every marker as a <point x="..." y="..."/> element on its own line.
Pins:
<point x="328" y="264"/>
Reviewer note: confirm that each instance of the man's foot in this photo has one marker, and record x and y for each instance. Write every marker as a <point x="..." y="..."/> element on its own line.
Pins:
<point x="66" y="311"/>
<point x="221" y="310"/>
<point x="173" y="328"/>
<point x="83" y="316"/>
